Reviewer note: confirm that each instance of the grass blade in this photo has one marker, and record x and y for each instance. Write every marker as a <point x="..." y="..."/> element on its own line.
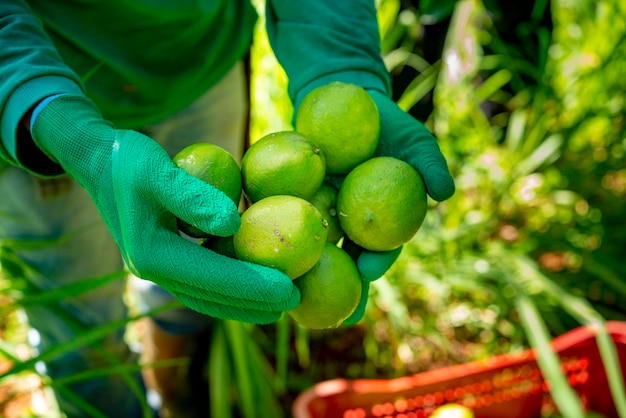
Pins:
<point x="546" y="152"/>
<point x="220" y="378"/>
<point x="91" y="72"/>
<point x="58" y="294"/>
<point x="80" y="402"/>
<point x="267" y="385"/>
<point x="564" y="396"/>
<point x="236" y="334"/>
<point x="302" y="346"/>
<point x="614" y="375"/>
<point x="7" y="350"/>
<point x="419" y="87"/>
<point x="82" y="339"/>
<point x="600" y="269"/>
<point x="492" y="85"/>
<point x="582" y="310"/>
<point x="515" y="130"/>
<point x="282" y="348"/>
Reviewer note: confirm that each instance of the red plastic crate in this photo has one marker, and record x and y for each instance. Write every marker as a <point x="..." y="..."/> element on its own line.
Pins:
<point x="504" y="386"/>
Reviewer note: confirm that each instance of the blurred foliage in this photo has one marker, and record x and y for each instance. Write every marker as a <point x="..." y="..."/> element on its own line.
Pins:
<point x="270" y="110"/>
<point x="527" y="100"/>
<point x="531" y="121"/>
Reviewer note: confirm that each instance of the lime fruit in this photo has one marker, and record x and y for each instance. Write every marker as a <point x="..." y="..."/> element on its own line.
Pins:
<point x="282" y="163"/>
<point x="284" y="232"/>
<point x="382" y="203"/>
<point x="325" y="200"/>
<point x="330" y="291"/>
<point x="452" y="410"/>
<point x="214" y="165"/>
<point x="342" y="119"/>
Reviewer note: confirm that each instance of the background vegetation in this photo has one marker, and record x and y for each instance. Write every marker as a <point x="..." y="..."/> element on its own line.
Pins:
<point x="527" y="100"/>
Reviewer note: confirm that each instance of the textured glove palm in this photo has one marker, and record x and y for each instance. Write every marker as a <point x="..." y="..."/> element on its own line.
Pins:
<point x="139" y="193"/>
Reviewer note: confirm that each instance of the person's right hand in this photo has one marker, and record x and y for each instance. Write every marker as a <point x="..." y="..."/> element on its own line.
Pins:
<point x="140" y="192"/>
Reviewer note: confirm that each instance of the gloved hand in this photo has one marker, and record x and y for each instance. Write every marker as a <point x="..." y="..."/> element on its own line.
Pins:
<point x="405" y="138"/>
<point x="139" y="193"/>
<point x="320" y="41"/>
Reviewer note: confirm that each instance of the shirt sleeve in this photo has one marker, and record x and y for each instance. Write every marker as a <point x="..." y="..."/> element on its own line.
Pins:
<point x="30" y="70"/>
<point x="319" y="41"/>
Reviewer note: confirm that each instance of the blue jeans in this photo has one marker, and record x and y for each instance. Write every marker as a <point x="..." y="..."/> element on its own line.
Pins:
<point x="38" y="211"/>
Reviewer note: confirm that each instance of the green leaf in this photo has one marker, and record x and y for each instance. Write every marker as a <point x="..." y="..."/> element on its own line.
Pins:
<point x="302" y="346"/>
<point x="282" y="347"/>
<point x="547" y="152"/>
<point x="59" y="294"/>
<point x="220" y="376"/>
<point x="419" y="87"/>
<point x="87" y="337"/>
<point x="239" y="346"/>
<point x="436" y="10"/>
<point x="492" y="85"/>
<point x="564" y="396"/>
<point x="79" y="402"/>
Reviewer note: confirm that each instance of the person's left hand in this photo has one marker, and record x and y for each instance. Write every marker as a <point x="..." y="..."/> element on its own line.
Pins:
<point x="407" y="139"/>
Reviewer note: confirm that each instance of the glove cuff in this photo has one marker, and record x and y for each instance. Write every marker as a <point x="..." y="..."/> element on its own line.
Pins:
<point x="39" y="107"/>
<point x="69" y="129"/>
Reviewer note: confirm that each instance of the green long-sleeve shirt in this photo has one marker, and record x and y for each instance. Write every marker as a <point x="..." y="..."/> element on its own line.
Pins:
<point x="142" y="60"/>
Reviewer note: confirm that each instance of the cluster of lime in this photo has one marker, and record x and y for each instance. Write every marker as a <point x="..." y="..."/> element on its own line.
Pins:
<point x="296" y="219"/>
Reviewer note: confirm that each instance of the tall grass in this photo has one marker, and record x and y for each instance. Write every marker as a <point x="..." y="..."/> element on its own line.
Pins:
<point x="528" y="109"/>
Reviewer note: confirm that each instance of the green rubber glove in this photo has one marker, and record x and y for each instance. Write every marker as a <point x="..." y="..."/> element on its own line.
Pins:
<point x="404" y="137"/>
<point x="139" y="193"/>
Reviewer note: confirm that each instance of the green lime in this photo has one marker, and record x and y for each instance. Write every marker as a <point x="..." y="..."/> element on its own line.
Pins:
<point x="325" y="200"/>
<point x="382" y="203"/>
<point x="330" y="291"/>
<point x="284" y="232"/>
<point x="282" y="163"/>
<point x="342" y="119"/>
